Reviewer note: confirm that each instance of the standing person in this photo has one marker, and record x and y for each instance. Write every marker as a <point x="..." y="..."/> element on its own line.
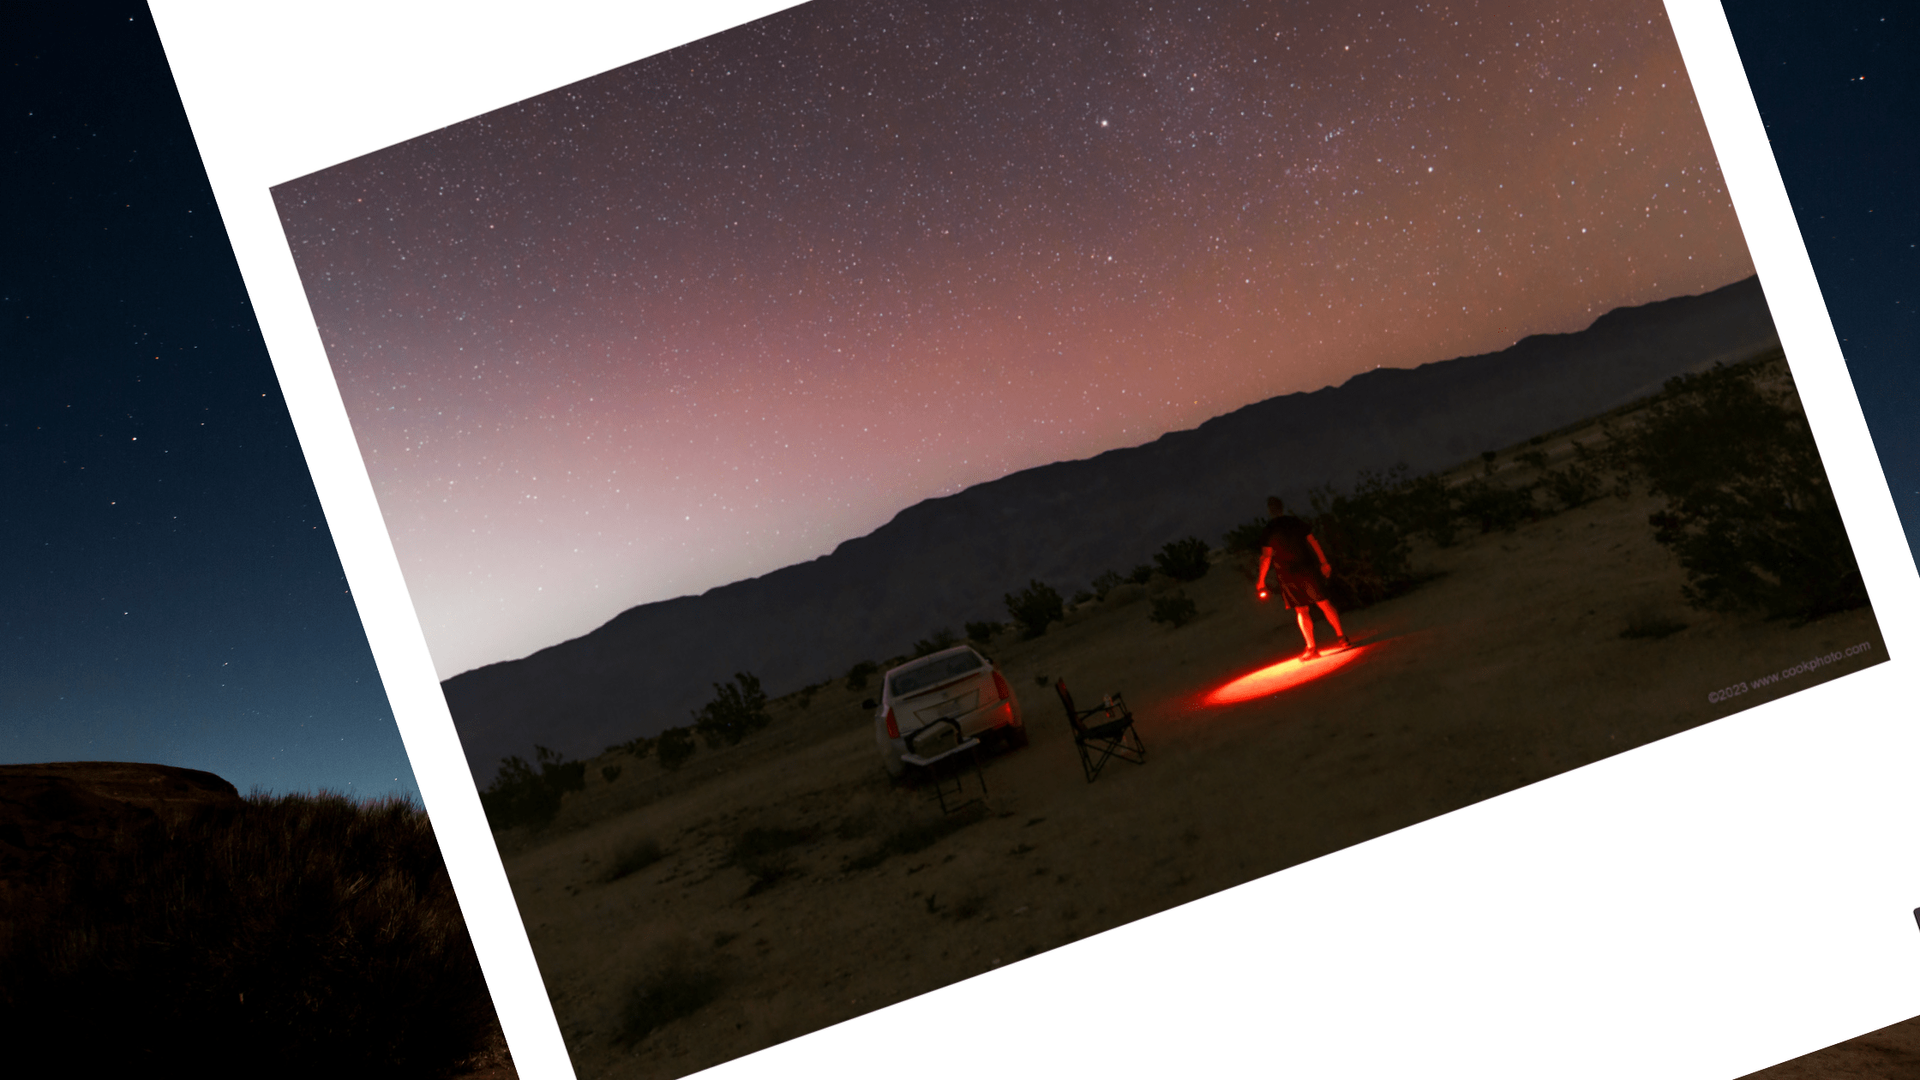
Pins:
<point x="1287" y="544"/>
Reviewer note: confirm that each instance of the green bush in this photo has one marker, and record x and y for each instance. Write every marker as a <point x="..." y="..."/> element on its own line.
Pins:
<point x="738" y="708"/>
<point x="1424" y="505"/>
<point x="1576" y="485"/>
<point x="1364" y="536"/>
<point x="1748" y="510"/>
<point x="981" y="633"/>
<point x="858" y="675"/>
<point x="1184" y="560"/>
<point x="942" y="639"/>
<point x="1105" y="583"/>
<point x="675" y="747"/>
<point x="1244" y="538"/>
<point x="313" y="934"/>
<point x="1174" y="610"/>
<point x="1494" y="506"/>
<point x="1141" y="574"/>
<point x="1034" y="607"/>
<point x="523" y="794"/>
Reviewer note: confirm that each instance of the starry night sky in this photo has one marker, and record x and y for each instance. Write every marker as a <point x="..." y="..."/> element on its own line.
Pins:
<point x="170" y="591"/>
<point x="711" y="314"/>
<point x="1836" y="88"/>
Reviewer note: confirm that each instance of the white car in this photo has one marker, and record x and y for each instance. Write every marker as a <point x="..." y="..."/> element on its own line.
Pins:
<point x="955" y="684"/>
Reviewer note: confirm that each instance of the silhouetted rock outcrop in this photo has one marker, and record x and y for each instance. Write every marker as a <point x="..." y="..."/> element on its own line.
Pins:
<point x="56" y="816"/>
<point x="944" y="561"/>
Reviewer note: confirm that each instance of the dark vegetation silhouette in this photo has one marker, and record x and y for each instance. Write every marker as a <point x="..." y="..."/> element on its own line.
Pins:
<point x="674" y="747"/>
<point x="982" y="633"/>
<point x="1183" y="560"/>
<point x="738" y="707"/>
<point x="858" y="675"/>
<point x="940" y="639"/>
<point x="1034" y="607"/>
<point x="523" y="794"/>
<point x="314" y="935"/>
<point x="1174" y="610"/>
<point x="1749" y="512"/>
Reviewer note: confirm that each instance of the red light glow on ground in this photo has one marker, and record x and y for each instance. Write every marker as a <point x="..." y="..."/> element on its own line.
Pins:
<point x="1284" y="675"/>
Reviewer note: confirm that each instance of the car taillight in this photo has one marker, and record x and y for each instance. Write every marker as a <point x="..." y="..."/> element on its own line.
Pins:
<point x="1000" y="686"/>
<point x="893" y="726"/>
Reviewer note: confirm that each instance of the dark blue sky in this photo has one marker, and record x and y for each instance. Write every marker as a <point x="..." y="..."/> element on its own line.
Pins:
<point x="1835" y="86"/>
<point x="171" y="592"/>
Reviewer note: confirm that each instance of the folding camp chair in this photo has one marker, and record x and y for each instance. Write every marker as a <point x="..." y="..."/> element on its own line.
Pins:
<point x="938" y="748"/>
<point x="1110" y="735"/>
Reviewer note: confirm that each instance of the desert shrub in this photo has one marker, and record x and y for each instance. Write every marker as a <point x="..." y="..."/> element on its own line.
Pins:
<point x="1364" y="537"/>
<point x="609" y="773"/>
<point x="765" y="854"/>
<point x="1183" y="560"/>
<point x="674" y="987"/>
<point x="1748" y="510"/>
<point x="1081" y="597"/>
<point x="1424" y="505"/>
<point x="859" y="673"/>
<point x="1174" y="610"/>
<point x="738" y="708"/>
<point x="915" y="836"/>
<point x="313" y="932"/>
<point x="675" y="747"/>
<point x="1244" y="538"/>
<point x="1495" y="506"/>
<point x="633" y="858"/>
<point x="1575" y="485"/>
<point x="523" y="794"/>
<point x="1106" y="582"/>
<point x="981" y="633"/>
<point x="1141" y="574"/>
<point x="639" y="746"/>
<point x="1534" y="459"/>
<point x="942" y="639"/>
<point x="1034" y="607"/>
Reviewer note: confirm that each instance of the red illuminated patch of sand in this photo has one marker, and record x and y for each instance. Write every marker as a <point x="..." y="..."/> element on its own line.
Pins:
<point x="1284" y="675"/>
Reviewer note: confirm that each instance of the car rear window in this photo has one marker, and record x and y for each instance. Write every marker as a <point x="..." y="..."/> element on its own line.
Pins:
<point x="916" y="679"/>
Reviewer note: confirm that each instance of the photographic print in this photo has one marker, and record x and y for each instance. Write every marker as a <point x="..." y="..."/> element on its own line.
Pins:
<point x="894" y="490"/>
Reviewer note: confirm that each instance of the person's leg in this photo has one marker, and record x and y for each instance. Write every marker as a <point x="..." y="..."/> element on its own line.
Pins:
<point x="1333" y="618"/>
<point x="1305" y="616"/>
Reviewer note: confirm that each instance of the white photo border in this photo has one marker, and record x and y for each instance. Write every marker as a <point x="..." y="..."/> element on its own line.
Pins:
<point x="1707" y="905"/>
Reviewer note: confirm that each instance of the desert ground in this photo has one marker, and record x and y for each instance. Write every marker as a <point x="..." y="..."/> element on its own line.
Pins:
<point x="773" y="888"/>
<point x="1892" y="1053"/>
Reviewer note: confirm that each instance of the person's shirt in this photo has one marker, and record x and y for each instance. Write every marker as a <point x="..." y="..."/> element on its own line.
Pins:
<point x="1286" y="536"/>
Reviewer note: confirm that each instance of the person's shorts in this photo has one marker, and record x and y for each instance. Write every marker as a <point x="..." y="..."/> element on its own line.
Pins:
<point x="1303" y="588"/>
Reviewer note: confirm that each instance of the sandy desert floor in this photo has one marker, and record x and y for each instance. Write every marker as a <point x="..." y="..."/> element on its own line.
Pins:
<point x="1892" y="1053"/>
<point x="796" y="887"/>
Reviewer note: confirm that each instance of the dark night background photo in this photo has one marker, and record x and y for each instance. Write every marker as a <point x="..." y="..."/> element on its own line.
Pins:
<point x="171" y="592"/>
